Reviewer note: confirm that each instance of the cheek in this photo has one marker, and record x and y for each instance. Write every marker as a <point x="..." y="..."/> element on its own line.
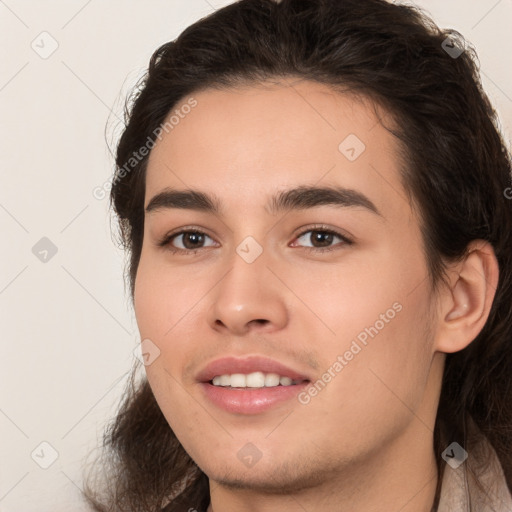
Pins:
<point x="376" y="320"/>
<point x="161" y="305"/>
<point x="384" y="367"/>
<point x="383" y="383"/>
<point x="147" y="301"/>
<point x="163" y="299"/>
<point x="185" y="417"/>
<point x="340" y="302"/>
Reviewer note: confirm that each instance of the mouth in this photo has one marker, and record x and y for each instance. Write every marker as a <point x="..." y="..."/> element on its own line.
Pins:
<point x="251" y="401"/>
<point x="251" y="385"/>
<point x="254" y="380"/>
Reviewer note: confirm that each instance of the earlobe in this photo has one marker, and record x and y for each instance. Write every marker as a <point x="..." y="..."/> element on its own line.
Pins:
<point x="467" y="300"/>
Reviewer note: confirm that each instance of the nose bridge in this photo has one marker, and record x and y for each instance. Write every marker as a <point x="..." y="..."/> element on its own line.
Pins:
<point x="248" y="292"/>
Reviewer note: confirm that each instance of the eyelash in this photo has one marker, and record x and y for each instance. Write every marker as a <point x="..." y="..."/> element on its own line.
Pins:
<point x="166" y="240"/>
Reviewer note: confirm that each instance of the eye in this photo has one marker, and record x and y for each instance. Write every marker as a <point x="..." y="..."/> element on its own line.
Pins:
<point x="191" y="241"/>
<point x="324" y="237"/>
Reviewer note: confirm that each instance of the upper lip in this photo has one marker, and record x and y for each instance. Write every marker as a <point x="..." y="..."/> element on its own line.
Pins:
<point x="230" y="365"/>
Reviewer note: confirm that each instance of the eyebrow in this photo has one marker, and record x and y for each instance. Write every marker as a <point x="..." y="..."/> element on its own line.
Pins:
<point x="298" y="198"/>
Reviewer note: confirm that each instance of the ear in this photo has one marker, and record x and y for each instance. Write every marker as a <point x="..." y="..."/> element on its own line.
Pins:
<point x="464" y="304"/>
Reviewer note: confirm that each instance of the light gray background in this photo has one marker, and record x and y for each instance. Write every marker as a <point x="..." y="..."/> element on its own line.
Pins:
<point x="68" y="332"/>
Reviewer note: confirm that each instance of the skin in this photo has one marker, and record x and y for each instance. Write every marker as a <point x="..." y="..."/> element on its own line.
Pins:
<point x="364" y="442"/>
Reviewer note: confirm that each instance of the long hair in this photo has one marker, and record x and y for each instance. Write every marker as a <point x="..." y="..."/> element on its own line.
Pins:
<point x="458" y="175"/>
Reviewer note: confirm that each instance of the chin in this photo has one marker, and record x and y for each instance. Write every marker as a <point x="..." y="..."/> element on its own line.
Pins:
<point x="268" y="478"/>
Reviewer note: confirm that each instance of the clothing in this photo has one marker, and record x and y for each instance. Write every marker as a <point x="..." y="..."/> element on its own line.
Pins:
<point x="459" y="486"/>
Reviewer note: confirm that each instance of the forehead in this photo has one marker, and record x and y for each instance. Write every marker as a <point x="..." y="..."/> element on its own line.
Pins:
<point x="245" y="143"/>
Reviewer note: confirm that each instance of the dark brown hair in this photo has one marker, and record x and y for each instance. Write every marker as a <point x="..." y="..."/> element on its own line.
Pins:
<point x="457" y="171"/>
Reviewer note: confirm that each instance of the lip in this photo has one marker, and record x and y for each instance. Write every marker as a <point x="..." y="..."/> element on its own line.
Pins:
<point x="230" y="365"/>
<point x="249" y="400"/>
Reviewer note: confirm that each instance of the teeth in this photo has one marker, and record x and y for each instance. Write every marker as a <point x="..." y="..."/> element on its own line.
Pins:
<point x="252" y="380"/>
<point x="238" y="380"/>
<point x="271" y="379"/>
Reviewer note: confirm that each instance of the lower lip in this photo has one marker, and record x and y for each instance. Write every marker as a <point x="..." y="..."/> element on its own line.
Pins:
<point x="250" y="400"/>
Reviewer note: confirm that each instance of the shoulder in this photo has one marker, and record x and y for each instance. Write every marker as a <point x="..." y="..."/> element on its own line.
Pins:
<point x="474" y="480"/>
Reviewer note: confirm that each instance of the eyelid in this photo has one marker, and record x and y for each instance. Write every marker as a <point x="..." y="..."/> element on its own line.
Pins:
<point x="323" y="227"/>
<point x="167" y="238"/>
<point x="346" y="239"/>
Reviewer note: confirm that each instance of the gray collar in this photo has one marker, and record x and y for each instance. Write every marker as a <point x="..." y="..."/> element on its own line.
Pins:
<point x="459" y="486"/>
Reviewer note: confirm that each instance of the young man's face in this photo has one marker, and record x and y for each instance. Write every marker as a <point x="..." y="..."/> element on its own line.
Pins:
<point x="353" y="320"/>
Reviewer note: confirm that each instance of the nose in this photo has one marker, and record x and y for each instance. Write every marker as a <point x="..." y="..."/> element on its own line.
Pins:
<point x="249" y="296"/>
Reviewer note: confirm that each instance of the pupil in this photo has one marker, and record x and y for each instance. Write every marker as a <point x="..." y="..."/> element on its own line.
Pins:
<point x="195" y="236"/>
<point x="320" y="234"/>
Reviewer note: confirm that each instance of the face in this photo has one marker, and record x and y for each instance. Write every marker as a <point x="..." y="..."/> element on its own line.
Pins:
<point x="333" y="287"/>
